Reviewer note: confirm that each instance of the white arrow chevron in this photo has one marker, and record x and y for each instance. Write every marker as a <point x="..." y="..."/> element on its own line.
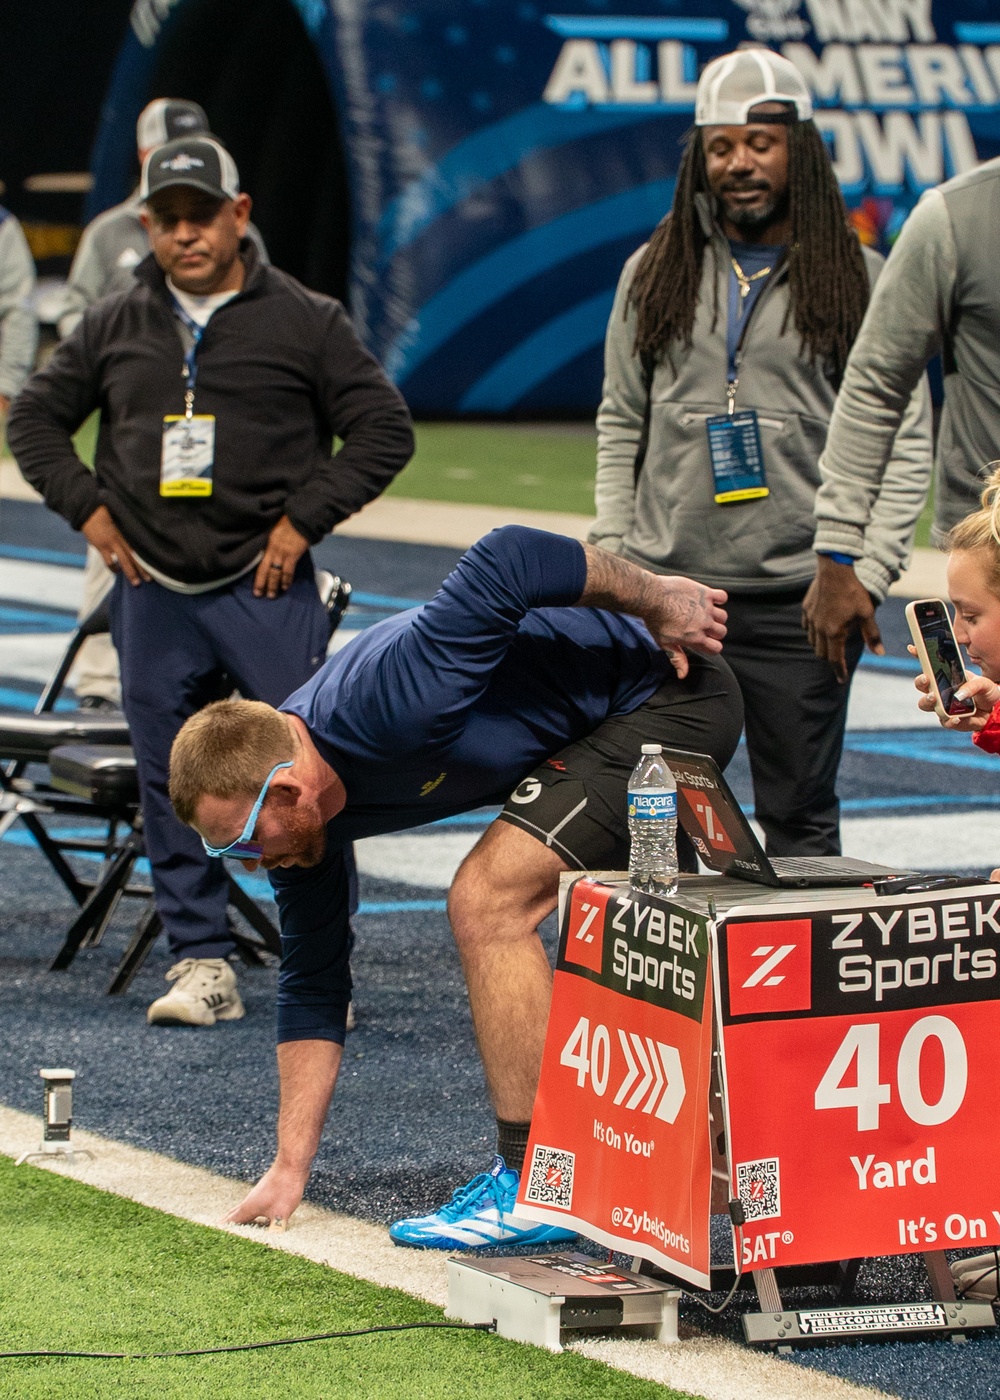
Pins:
<point x="647" y="1072"/>
<point x="673" y="1095"/>
<point x="633" y="1069"/>
<point x="654" y="1093"/>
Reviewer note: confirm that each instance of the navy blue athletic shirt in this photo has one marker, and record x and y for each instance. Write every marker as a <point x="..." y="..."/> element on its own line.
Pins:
<point x="442" y="709"/>
<point x="449" y="706"/>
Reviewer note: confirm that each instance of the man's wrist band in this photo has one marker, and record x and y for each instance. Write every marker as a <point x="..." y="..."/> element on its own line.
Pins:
<point x="836" y="556"/>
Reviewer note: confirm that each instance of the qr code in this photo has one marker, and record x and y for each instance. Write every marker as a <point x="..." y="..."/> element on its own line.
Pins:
<point x="759" y="1188"/>
<point x="550" y="1180"/>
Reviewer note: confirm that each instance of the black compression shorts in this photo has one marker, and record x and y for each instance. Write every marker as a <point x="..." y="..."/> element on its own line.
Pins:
<point x="575" y="802"/>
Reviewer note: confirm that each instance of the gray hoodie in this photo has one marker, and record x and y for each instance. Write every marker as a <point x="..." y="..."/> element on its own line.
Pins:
<point x="940" y="292"/>
<point x="18" y="322"/>
<point x="671" y="523"/>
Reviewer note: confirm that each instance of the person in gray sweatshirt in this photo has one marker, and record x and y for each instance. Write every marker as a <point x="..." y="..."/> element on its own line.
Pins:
<point x="939" y="294"/>
<point x="18" y="322"/>
<point x="729" y="334"/>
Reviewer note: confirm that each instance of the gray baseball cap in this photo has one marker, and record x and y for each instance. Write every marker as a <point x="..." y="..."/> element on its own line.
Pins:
<point x="199" y="162"/>
<point x="166" y="118"/>
<point x="736" y="82"/>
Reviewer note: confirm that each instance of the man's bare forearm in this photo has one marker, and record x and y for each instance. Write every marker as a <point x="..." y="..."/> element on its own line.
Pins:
<point x="615" y="584"/>
<point x="307" y="1070"/>
<point x="679" y="612"/>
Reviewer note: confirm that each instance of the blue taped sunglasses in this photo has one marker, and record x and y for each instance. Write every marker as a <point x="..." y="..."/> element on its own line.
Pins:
<point x="243" y="848"/>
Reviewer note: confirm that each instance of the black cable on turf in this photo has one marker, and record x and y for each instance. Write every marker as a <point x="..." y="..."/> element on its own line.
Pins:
<point x="254" y="1346"/>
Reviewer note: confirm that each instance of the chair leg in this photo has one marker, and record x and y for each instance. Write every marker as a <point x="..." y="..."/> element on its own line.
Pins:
<point x="147" y="931"/>
<point x="95" y="907"/>
<point x="255" y="917"/>
<point x="97" y="932"/>
<point x="54" y="856"/>
<point x="248" y="950"/>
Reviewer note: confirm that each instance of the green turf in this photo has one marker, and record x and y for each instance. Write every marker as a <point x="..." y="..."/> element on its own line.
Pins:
<point x="83" y="1270"/>
<point x="486" y="464"/>
<point x="923" y="536"/>
<point x="85" y="438"/>
<point x="537" y="468"/>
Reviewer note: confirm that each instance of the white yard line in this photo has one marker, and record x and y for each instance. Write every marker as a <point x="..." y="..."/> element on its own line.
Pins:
<point x="705" y="1366"/>
<point x="968" y="840"/>
<point x="884" y="700"/>
<point x="45" y="585"/>
<point x="32" y="656"/>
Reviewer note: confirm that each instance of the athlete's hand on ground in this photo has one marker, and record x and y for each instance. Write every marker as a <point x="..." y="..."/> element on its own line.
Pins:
<point x="986" y="694"/>
<point x="837" y="602"/>
<point x="273" y="1199"/>
<point x="684" y="615"/>
<point x="285" y="547"/>
<point x="101" y="531"/>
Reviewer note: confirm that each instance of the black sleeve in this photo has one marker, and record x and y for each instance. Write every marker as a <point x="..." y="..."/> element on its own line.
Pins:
<point x="365" y="410"/>
<point x="43" y="419"/>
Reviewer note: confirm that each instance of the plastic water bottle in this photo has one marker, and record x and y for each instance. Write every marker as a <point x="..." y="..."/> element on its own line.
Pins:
<point x="652" y="824"/>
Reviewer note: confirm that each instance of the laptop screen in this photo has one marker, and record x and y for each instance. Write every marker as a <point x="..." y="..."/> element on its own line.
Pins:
<point x="711" y="816"/>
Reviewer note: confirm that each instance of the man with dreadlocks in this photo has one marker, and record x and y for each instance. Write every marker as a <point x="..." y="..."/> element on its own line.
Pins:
<point x="726" y="344"/>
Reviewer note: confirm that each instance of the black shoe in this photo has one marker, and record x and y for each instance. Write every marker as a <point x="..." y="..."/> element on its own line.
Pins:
<point x="98" y="703"/>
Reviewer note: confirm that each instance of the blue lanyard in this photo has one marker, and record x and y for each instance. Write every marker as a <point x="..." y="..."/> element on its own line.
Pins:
<point x="190" y="370"/>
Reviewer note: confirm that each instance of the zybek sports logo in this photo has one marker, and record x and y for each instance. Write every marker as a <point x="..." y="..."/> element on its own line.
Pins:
<point x="770" y="967"/>
<point x="708" y="819"/>
<point x="585" y="938"/>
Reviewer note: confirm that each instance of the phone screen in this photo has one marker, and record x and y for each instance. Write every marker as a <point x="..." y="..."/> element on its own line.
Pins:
<point x="945" y="659"/>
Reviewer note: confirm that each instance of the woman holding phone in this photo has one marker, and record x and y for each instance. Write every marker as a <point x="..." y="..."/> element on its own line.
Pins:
<point x="974" y="588"/>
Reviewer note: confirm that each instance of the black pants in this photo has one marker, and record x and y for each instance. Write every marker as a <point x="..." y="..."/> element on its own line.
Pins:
<point x="796" y="710"/>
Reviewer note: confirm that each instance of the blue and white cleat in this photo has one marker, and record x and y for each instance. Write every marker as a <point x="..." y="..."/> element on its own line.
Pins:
<point x="478" y="1216"/>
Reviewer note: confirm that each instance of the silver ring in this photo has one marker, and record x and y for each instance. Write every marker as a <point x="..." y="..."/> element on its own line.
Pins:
<point x="274" y="566"/>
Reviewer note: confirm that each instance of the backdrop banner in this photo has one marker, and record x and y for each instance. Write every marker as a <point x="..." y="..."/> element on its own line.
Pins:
<point x="505" y="159"/>
<point x="619" y="1144"/>
<point x="859" y="1054"/>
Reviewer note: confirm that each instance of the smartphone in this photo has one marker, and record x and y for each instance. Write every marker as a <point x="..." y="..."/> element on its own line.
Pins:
<point x="939" y="655"/>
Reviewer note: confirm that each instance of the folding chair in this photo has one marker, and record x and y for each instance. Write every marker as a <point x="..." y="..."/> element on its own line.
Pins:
<point x="28" y="739"/>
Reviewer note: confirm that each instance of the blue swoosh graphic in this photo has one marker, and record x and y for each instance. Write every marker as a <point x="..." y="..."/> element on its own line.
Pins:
<point x="918" y="750"/>
<point x="489" y="280"/>
<point x="42" y="556"/>
<point x="537" y="356"/>
<point x="977" y="33"/>
<point x="490" y="152"/>
<point x="636" y="27"/>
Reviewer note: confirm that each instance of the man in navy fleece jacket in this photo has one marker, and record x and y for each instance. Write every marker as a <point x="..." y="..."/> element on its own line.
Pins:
<point x="531" y="680"/>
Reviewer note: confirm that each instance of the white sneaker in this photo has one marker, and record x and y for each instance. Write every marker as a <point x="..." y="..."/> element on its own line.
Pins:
<point x="204" y="992"/>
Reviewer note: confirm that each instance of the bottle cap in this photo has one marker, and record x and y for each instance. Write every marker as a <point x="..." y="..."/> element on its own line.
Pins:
<point x="652" y="748"/>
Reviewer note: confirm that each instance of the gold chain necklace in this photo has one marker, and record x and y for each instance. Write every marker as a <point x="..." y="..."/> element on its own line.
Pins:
<point x="744" y="282"/>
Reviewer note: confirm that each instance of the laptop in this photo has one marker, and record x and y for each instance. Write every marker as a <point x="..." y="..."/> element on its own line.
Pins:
<point x="725" y="840"/>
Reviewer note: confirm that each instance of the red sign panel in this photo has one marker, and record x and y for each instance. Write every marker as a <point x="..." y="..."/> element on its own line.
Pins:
<point x="861" y="1087"/>
<point x="619" y="1142"/>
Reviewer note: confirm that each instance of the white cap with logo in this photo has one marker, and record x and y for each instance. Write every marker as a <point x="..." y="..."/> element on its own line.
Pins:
<point x="734" y="83"/>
